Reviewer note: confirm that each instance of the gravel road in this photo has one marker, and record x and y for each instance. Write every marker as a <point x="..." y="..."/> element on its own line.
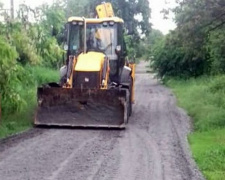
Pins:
<point x="153" y="146"/>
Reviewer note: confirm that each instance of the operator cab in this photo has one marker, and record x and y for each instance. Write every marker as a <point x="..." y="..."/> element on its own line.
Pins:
<point x="101" y="35"/>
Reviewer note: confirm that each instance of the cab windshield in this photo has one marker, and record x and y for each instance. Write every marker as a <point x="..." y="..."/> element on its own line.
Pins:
<point x="102" y="37"/>
<point x="75" y="39"/>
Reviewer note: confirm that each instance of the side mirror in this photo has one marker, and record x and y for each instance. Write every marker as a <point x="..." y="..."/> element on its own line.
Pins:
<point x="65" y="47"/>
<point x="118" y="50"/>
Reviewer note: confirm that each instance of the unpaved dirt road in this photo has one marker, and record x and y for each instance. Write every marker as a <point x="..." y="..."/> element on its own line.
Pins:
<point x="153" y="146"/>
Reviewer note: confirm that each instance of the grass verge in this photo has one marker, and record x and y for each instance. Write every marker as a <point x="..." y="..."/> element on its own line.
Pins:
<point x="204" y="100"/>
<point x="22" y="119"/>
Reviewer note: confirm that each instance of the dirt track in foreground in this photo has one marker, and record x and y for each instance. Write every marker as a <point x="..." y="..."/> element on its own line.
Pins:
<point x="153" y="146"/>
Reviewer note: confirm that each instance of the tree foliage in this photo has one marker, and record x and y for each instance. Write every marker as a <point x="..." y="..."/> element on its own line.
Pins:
<point x="11" y="75"/>
<point x="32" y="39"/>
<point x="195" y="47"/>
<point x="149" y="43"/>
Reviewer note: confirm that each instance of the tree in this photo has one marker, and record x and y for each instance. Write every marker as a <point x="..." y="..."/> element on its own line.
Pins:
<point x="10" y="78"/>
<point x="199" y="24"/>
<point x="150" y="42"/>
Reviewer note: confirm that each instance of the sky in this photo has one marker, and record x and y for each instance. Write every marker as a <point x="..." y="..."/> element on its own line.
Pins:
<point x="156" y="17"/>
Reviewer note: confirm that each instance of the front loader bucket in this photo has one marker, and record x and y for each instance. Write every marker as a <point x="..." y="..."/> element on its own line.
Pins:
<point x="82" y="108"/>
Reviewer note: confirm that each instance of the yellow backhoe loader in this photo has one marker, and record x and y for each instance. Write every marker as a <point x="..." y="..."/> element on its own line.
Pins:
<point x="96" y="86"/>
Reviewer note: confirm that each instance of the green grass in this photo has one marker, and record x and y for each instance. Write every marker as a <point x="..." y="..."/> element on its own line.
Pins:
<point x="44" y="75"/>
<point x="16" y="123"/>
<point x="204" y="100"/>
<point x="209" y="152"/>
<point x="21" y="120"/>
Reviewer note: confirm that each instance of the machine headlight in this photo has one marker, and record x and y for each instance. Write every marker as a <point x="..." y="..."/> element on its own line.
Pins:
<point x="111" y="23"/>
<point x="74" y="23"/>
<point x="105" y="24"/>
<point x="80" y="23"/>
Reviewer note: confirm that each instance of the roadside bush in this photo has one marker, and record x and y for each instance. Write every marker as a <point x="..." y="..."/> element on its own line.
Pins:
<point x="172" y="57"/>
<point x="18" y="113"/>
<point x="51" y="52"/>
<point x="42" y="75"/>
<point x="11" y="75"/>
<point x="26" y="48"/>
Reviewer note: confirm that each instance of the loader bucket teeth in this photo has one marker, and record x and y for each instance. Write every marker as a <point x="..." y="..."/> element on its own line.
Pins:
<point x="81" y="108"/>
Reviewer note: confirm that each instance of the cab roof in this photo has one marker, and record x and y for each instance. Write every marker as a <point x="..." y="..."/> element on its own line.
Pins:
<point x="96" y="20"/>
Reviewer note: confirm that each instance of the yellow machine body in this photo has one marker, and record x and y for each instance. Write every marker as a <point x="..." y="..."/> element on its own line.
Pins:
<point x="92" y="61"/>
<point x="105" y="10"/>
<point x="132" y="66"/>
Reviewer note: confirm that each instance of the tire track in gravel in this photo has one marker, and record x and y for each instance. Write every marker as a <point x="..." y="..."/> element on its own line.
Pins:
<point x="94" y="160"/>
<point x="167" y="126"/>
<point x="153" y="147"/>
<point x="35" y="158"/>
